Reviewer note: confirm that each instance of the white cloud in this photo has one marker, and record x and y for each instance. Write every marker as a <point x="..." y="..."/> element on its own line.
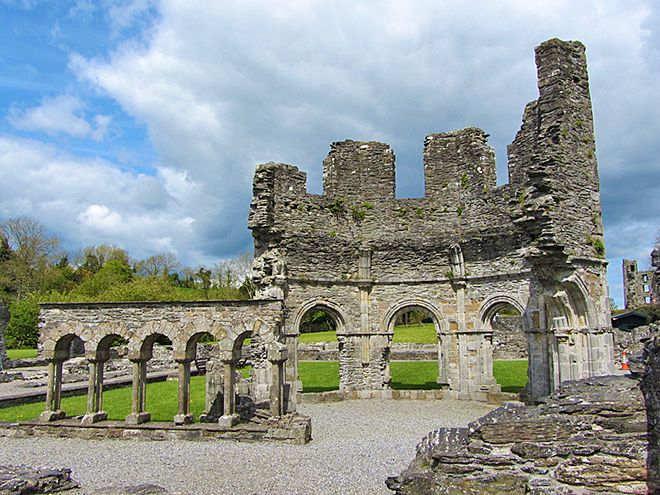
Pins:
<point x="223" y="86"/>
<point x="64" y="114"/>
<point x="88" y="201"/>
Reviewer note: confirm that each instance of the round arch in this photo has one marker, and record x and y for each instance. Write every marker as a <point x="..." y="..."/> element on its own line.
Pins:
<point x="335" y="310"/>
<point x="390" y="316"/>
<point x="582" y="305"/>
<point x="492" y="304"/>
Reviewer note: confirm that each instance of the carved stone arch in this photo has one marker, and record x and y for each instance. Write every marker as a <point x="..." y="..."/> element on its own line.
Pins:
<point x="102" y="337"/>
<point x="389" y="317"/>
<point x="58" y="339"/>
<point x="343" y="322"/>
<point x="492" y="303"/>
<point x="581" y="303"/>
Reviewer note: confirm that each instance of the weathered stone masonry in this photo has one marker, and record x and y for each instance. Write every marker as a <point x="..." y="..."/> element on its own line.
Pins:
<point x="460" y="253"/>
<point x="184" y="323"/>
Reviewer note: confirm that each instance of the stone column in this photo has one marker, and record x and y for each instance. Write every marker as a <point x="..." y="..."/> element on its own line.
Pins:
<point x="138" y="414"/>
<point x="53" y="392"/>
<point x="229" y="417"/>
<point x="184" y="416"/>
<point x="277" y="355"/>
<point x="95" y="394"/>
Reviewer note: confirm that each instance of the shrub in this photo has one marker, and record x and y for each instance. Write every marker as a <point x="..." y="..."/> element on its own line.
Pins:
<point x="23" y="331"/>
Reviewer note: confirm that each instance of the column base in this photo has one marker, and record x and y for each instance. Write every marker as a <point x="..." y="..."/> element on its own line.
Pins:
<point x="229" y="420"/>
<point x="184" y="419"/>
<point x="138" y="418"/>
<point x="91" y="418"/>
<point x="47" y="416"/>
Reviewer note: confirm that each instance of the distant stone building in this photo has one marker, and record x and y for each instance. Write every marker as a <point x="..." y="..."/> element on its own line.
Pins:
<point x="641" y="287"/>
<point x="462" y="253"/>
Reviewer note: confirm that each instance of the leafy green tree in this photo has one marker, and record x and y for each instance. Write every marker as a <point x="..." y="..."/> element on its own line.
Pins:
<point x="22" y="331"/>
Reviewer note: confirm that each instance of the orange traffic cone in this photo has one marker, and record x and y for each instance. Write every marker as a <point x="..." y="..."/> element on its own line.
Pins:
<point x="624" y="362"/>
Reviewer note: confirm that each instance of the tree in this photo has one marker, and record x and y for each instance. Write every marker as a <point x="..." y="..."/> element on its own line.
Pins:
<point x="236" y="273"/>
<point x="32" y="250"/>
<point x="23" y="330"/>
<point x="93" y="258"/>
<point x="158" y="265"/>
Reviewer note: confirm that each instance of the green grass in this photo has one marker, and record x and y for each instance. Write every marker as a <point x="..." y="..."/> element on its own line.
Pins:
<point x="316" y="376"/>
<point x="424" y="334"/>
<point x="511" y="375"/>
<point x="21" y="353"/>
<point x="319" y="376"/>
<point x="318" y="337"/>
<point x="414" y="375"/>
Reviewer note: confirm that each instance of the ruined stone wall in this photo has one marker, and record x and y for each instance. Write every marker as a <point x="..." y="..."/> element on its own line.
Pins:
<point x="640" y="287"/>
<point x="596" y="435"/>
<point x="588" y="437"/>
<point x="363" y="255"/>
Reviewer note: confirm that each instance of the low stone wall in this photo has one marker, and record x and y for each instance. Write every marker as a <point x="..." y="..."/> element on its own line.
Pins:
<point x="633" y="341"/>
<point x="509" y="338"/>
<point x="399" y="351"/>
<point x="294" y="428"/>
<point x="588" y="437"/>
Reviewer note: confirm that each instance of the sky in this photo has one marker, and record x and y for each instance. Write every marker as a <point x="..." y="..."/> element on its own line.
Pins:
<point x="138" y="123"/>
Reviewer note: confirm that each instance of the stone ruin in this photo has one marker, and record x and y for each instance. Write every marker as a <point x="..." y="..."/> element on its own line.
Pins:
<point x="463" y="252"/>
<point x="252" y="409"/>
<point x="641" y="287"/>
<point x="596" y="435"/>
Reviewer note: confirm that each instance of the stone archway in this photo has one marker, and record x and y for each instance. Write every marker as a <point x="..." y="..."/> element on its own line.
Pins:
<point x="441" y="324"/>
<point x="505" y="319"/>
<point x="343" y="332"/>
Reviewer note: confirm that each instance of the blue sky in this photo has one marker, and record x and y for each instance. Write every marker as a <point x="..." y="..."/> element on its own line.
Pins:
<point x="139" y="123"/>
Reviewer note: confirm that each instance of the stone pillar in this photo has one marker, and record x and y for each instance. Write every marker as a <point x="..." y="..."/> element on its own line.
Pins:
<point x="95" y="394"/>
<point x="138" y="414"/>
<point x="4" y="321"/>
<point x="53" y="392"/>
<point x="277" y="355"/>
<point x="229" y="417"/>
<point x="184" y="416"/>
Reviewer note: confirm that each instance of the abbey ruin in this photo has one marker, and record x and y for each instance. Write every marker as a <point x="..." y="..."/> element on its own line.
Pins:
<point x="460" y="253"/>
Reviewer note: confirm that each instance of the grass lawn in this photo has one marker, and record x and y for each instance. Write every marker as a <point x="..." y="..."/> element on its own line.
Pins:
<point x="21" y="353"/>
<point x="424" y="334"/>
<point x="511" y="375"/>
<point x="322" y="376"/>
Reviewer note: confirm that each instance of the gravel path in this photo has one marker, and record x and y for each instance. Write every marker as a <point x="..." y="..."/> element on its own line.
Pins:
<point x="355" y="446"/>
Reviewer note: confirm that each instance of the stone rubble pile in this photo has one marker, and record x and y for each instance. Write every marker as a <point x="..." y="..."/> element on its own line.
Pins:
<point x="596" y="435"/>
<point x="26" y="480"/>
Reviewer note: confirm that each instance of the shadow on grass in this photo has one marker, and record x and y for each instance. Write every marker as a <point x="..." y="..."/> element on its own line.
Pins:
<point x="512" y="389"/>
<point x="316" y="390"/>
